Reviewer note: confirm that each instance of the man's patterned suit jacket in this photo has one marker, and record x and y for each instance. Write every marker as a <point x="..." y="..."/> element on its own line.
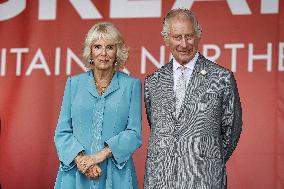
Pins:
<point x="190" y="151"/>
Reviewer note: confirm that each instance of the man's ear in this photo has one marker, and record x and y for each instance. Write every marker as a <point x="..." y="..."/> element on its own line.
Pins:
<point x="197" y="40"/>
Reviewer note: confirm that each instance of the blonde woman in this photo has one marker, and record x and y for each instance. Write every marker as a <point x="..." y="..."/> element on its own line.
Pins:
<point x="99" y="127"/>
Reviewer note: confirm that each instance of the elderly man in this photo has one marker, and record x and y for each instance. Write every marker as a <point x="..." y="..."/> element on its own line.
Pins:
<point x="194" y="112"/>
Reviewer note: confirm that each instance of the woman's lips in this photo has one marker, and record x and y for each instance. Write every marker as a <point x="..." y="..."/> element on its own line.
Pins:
<point x="104" y="61"/>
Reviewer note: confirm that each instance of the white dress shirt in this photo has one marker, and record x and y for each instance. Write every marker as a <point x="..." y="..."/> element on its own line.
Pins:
<point x="188" y="72"/>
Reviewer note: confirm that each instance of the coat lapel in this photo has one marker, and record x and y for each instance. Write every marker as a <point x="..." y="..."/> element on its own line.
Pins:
<point x="113" y="86"/>
<point x="197" y="82"/>
<point x="91" y="85"/>
<point x="167" y="87"/>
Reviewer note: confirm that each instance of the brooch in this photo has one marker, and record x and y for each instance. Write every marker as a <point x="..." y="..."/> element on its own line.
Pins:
<point x="203" y="72"/>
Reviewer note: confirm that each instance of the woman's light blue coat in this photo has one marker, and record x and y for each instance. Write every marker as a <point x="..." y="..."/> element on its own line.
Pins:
<point x="88" y="122"/>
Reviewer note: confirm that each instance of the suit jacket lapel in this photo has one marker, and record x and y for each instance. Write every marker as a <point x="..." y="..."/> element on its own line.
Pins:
<point x="167" y="87"/>
<point x="197" y="82"/>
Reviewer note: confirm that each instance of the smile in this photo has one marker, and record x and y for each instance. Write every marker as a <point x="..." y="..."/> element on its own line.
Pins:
<point x="103" y="61"/>
<point x="185" y="51"/>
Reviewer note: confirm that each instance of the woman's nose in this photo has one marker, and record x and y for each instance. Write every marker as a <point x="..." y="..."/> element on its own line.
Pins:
<point x="104" y="51"/>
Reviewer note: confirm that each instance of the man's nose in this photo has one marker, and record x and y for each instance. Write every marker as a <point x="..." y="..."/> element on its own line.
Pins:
<point x="183" y="42"/>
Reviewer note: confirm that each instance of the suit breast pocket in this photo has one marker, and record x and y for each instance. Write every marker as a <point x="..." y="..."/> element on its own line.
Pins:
<point x="208" y="101"/>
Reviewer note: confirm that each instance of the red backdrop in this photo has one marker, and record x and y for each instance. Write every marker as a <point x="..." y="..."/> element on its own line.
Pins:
<point x="41" y="43"/>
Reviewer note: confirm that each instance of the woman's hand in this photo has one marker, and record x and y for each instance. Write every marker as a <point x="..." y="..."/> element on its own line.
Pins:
<point x="94" y="172"/>
<point x="84" y="162"/>
<point x="101" y="155"/>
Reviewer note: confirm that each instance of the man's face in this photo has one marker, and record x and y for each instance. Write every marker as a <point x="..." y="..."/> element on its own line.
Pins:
<point x="182" y="41"/>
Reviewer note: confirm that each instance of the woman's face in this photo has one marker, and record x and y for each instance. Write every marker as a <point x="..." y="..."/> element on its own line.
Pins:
<point x="103" y="53"/>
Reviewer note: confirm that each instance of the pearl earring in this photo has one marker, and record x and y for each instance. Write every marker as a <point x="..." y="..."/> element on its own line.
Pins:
<point x="91" y="61"/>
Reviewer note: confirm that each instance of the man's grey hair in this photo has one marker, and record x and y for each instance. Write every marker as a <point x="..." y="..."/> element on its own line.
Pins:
<point x="180" y="12"/>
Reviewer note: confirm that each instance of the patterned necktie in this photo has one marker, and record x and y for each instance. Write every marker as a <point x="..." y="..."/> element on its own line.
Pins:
<point x="180" y="89"/>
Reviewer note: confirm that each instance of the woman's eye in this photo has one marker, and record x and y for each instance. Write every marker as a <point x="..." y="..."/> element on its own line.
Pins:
<point x="96" y="47"/>
<point x="109" y="47"/>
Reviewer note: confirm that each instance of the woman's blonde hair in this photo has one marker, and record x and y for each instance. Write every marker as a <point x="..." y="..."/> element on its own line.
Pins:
<point x="107" y="31"/>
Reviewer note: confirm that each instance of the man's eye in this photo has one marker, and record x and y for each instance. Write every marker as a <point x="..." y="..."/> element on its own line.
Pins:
<point x="189" y="36"/>
<point x="177" y="37"/>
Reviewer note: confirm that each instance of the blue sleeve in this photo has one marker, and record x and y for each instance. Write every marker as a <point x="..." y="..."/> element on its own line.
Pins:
<point x="124" y="144"/>
<point x="67" y="145"/>
<point x="147" y="101"/>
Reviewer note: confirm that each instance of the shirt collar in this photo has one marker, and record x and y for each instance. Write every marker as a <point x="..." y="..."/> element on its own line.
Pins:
<point x="190" y="65"/>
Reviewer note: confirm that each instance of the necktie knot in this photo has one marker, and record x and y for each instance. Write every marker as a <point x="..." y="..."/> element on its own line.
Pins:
<point x="182" y="69"/>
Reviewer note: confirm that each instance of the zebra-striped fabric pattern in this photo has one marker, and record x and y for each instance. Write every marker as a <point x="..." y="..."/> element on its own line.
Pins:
<point x="190" y="151"/>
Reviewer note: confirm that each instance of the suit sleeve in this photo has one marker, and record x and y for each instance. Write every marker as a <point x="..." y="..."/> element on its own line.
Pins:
<point x="231" y="117"/>
<point x="67" y="145"/>
<point x="147" y="101"/>
<point x="124" y="144"/>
